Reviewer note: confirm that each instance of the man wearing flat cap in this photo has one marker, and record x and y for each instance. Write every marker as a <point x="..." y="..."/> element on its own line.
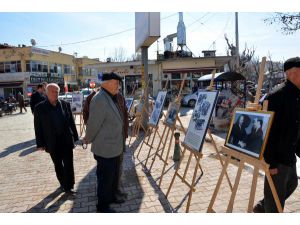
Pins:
<point x="284" y="140"/>
<point x="105" y="131"/>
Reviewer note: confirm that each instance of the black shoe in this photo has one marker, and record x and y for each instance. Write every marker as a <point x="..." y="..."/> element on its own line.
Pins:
<point x="61" y="189"/>
<point x="70" y="193"/>
<point x="106" y="210"/>
<point x="259" y="208"/>
<point x="121" y="194"/>
<point x="118" y="199"/>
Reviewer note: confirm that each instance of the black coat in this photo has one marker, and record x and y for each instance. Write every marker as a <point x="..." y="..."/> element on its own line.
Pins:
<point x="44" y="128"/>
<point x="35" y="99"/>
<point x="283" y="140"/>
<point x="254" y="141"/>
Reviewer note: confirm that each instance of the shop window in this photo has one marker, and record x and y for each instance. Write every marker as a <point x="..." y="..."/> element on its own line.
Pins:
<point x="1" y="67"/>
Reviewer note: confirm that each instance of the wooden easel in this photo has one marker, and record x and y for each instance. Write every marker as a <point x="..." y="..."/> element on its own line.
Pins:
<point x="149" y="134"/>
<point x="256" y="163"/>
<point x="197" y="155"/>
<point x="138" y="123"/>
<point x="168" y="136"/>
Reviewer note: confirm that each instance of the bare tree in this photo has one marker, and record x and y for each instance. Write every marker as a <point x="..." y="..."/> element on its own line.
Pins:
<point x="290" y="22"/>
<point x="119" y="55"/>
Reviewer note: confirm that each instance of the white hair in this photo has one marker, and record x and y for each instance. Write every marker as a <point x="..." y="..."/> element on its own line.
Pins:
<point x="52" y="85"/>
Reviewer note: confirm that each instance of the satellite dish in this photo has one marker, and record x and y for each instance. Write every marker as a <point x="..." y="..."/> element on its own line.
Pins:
<point x="59" y="49"/>
<point x="33" y="42"/>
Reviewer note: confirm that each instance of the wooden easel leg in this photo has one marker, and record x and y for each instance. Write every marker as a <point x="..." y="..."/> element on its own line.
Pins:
<point x="192" y="185"/>
<point x="175" y="174"/>
<point x="219" y="156"/>
<point x="253" y="189"/>
<point x="166" y="159"/>
<point x="274" y="192"/>
<point x="148" y="133"/>
<point x="187" y="166"/>
<point x="158" y="148"/>
<point x="213" y="198"/>
<point x="151" y="146"/>
<point x="235" y="187"/>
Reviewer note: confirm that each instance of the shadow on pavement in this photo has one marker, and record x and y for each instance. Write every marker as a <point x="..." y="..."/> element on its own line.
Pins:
<point x="51" y="203"/>
<point x="86" y="199"/>
<point x="27" y="146"/>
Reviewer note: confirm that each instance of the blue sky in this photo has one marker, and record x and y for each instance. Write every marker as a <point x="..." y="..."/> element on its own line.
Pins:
<point x="202" y="30"/>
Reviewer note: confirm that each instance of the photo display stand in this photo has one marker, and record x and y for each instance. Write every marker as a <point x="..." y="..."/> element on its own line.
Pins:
<point x="152" y="129"/>
<point x="168" y="134"/>
<point x="197" y="155"/>
<point x="138" y="122"/>
<point x="244" y="158"/>
<point x="80" y="124"/>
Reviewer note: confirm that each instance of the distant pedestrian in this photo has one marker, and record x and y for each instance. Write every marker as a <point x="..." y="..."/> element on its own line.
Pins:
<point x="37" y="97"/>
<point x="21" y="102"/>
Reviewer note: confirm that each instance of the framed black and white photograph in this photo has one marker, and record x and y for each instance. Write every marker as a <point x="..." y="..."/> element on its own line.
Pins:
<point x="158" y="106"/>
<point x="249" y="131"/>
<point x="76" y="104"/>
<point x="129" y="102"/>
<point x="199" y="121"/>
<point x="172" y="112"/>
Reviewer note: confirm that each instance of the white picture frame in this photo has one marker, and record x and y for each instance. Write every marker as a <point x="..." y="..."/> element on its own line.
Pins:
<point x="172" y="112"/>
<point x="77" y="101"/>
<point x="195" y="135"/>
<point x="129" y="103"/>
<point x="158" y="106"/>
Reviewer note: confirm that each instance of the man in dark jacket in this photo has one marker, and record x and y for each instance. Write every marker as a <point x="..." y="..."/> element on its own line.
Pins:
<point x="284" y="138"/>
<point x="55" y="133"/>
<point x="37" y="97"/>
<point x="254" y="140"/>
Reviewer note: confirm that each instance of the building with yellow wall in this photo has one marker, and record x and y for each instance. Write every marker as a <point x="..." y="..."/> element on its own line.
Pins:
<point x="22" y="68"/>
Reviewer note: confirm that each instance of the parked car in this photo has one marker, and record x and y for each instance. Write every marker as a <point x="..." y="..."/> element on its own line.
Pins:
<point x="190" y="99"/>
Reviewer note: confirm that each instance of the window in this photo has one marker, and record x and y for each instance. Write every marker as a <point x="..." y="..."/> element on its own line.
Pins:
<point x="69" y="69"/>
<point x="36" y="66"/>
<point x="1" y="67"/>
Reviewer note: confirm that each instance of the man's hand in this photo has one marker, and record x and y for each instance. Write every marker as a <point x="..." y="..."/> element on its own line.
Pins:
<point x="41" y="149"/>
<point x="273" y="171"/>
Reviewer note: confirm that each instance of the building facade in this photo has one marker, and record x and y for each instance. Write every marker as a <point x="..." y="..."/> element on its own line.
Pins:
<point x="22" y="68"/>
<point x="163" y="73"/>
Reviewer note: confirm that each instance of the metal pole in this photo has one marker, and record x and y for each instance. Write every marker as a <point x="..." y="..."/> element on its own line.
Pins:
<point x="237" y="39"/>
<point x="145" y="80"/>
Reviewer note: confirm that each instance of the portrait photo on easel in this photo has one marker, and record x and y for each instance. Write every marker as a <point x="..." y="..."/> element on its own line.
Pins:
<point x="158" y="106"/>
<point x="200" y="119"/>
<point x="249" y="131"/>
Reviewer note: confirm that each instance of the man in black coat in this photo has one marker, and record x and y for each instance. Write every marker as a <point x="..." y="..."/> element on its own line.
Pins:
<point x="284" y="140"/>
<point x="37" y="97"/>
<point x="254" y="140"/>
<point x="56" y="133"/>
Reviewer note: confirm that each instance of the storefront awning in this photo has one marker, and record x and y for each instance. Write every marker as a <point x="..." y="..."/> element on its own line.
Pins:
<point x="190" y="70"/>
<point x="11" y="84"/>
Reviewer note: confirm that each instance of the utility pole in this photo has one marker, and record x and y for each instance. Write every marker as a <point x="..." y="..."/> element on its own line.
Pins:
<point x="145" y="82"/>
<point x="237" y="40"/>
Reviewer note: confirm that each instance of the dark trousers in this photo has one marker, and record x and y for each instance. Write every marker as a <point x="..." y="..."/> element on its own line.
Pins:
<point x="63" y="164"/>
<point x="107" y="180"/>
<point x="285" y="181"/>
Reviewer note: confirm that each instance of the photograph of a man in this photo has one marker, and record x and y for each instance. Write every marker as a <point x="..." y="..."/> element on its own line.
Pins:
<point x="249" y="131"/>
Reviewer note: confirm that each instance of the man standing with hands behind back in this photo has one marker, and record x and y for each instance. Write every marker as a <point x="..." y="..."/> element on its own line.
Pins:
<point x="105" y="131"/>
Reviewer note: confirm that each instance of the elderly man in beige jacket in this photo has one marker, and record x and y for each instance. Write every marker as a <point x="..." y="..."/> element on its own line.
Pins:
<point x="105" y="131"/>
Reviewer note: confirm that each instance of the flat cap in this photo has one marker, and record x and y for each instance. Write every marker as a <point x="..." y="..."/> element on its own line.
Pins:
<point x="111" y="76"/>
<point x="290" y="63"/>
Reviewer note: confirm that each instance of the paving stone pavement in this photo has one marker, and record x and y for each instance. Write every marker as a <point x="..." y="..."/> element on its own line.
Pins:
<point x="28" y="182"/>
